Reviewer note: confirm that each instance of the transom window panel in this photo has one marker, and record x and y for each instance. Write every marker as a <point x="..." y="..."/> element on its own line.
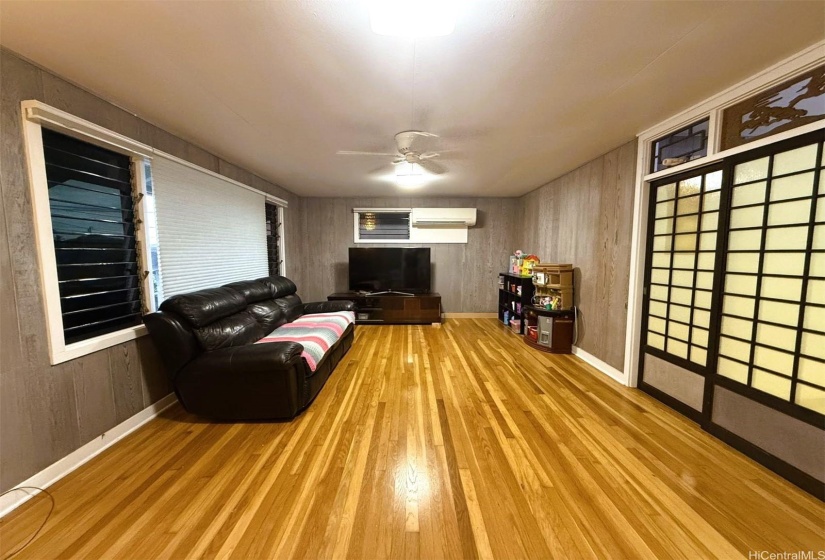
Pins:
<point x="93" y="227"/>
<point x="795" y="102"/>
<point x="772" y="331"/>
<point x="678" y="147"/>
<point x="682" y="257"/>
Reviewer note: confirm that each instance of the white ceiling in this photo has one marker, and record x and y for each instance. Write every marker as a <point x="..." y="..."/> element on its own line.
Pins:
<point x="520" y="93"/>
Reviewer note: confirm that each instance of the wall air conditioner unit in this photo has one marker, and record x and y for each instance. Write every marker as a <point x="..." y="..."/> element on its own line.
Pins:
<point x="443" y="217"/>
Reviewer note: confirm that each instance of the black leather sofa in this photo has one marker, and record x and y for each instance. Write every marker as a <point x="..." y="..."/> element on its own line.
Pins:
<point x="206" y="341"/>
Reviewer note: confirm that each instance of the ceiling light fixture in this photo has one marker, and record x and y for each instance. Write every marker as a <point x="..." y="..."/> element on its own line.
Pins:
<point x="409" y="175"/>
<point x="424" y="18"/>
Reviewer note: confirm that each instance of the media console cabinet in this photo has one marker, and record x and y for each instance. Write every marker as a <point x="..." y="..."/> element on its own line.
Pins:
<point x="393" y="308"/>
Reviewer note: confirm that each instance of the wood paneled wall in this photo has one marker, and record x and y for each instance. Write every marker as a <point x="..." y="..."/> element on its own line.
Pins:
<point x="465" y="275"/>
<point x="46" y="412"/>
<point x="585" y="218"/>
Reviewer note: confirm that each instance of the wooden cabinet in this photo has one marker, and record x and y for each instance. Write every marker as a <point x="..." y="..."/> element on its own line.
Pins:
<point x="554" y="281"/>
<point x="393" y="309"/>
<point x="514" y="294"/>
<point x="549" y="330"/>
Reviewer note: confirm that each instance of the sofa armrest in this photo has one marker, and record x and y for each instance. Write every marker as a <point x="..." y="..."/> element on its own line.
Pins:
<point x="253" y="381"/>
<point x="328" y="306"/>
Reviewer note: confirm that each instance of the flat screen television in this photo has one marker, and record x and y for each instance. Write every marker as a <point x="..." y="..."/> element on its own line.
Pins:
<point x="389" y="269"/>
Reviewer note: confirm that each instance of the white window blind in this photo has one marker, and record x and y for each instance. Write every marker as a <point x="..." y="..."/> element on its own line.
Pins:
<point x="210" y="231"/>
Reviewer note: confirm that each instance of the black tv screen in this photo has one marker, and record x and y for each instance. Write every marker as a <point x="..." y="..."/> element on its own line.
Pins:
<point x="383" y="269"/>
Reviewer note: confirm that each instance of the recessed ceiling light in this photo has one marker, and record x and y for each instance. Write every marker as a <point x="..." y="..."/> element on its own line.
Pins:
<point x="423" y="18"/>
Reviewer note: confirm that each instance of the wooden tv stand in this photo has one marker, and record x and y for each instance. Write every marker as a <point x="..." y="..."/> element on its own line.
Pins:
<point x="393" y="308"/>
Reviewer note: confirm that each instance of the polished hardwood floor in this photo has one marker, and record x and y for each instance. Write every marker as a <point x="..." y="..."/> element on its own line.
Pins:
<point x="427" y="442"/>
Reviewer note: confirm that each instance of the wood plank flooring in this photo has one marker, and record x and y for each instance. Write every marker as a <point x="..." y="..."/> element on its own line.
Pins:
<point x="427" y="442"/>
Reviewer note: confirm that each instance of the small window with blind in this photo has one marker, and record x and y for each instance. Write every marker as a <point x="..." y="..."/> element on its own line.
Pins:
<point x="273" y="239"/>
<point x="382" y="226"/>
<point x="93" y="228"/>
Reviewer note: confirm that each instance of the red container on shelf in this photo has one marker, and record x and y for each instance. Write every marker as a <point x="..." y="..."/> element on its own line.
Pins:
<point x="532" y="333"/>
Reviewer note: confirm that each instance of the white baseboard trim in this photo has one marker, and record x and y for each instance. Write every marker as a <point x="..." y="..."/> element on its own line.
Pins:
<point x="78" y="457"/>
<point x="603" y="367"/>
<point x="469" y="315"/>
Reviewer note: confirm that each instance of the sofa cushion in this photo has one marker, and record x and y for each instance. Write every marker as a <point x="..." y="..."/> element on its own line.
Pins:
<point x="292" y="305"/>
<point x="337" y="320"/>
<point x="269" y="315"/>
<point x="205" y="306"/>
<point x="252" y="290"/>
<point x="279" y="286"/>
<point x="316" y="333"/>
<point x="236" y="330"/>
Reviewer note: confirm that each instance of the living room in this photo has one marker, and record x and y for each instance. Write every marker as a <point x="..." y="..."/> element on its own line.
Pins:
<point x="262" y="150"/>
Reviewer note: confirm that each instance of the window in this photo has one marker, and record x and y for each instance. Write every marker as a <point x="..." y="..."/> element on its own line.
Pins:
<point x="93" y="228"/>
<point x="211" y="230"/>
<point x="102" y="205"/>
<point x="274" y="233"/>
<point x="684" y="145"/>
<point x="795" y="102"/>
<point x="382" y="226"/>
<point x="150" y="223"/>
<point x="87" y="191"/>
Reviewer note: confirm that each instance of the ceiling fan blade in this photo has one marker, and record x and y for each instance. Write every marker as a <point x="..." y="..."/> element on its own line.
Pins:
<point x="427" y="134"/>
<point x="379" y="171"/>
<point x="351" y="153"/>
<point x="433" y="167"/>
<point x="398" y="161"/>
<point x="429" y="155"/>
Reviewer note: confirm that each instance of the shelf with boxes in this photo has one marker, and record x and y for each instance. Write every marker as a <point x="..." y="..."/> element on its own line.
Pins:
<point x="553" y="286"/>
<point x="515" y="293"/>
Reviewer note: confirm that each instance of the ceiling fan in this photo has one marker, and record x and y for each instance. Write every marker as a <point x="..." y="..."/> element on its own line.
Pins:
<point x="406" y="154"/>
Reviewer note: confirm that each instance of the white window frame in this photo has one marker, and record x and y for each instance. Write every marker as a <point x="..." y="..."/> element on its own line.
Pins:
<point x="356" y="215"/>
<point x="713" y="108"/>
<point x="37" y="115"/>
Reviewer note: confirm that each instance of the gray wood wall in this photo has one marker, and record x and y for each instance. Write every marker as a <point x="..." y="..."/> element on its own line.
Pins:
<point x="464" y="274"/>
<point x="585" y="218"/>
<point x="46" y="412"/>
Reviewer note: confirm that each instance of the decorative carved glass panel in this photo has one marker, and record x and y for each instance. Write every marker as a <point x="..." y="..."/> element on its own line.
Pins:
<point x="796" y="102"/>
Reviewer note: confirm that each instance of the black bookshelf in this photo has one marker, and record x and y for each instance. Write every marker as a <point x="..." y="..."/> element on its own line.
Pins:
<point x="515" y="293"/>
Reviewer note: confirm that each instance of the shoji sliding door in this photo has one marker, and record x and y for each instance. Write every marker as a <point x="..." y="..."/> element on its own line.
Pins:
<point x="682" y="250"/>
<point x="734" y="315"/>
<point x="773" y="302"/>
